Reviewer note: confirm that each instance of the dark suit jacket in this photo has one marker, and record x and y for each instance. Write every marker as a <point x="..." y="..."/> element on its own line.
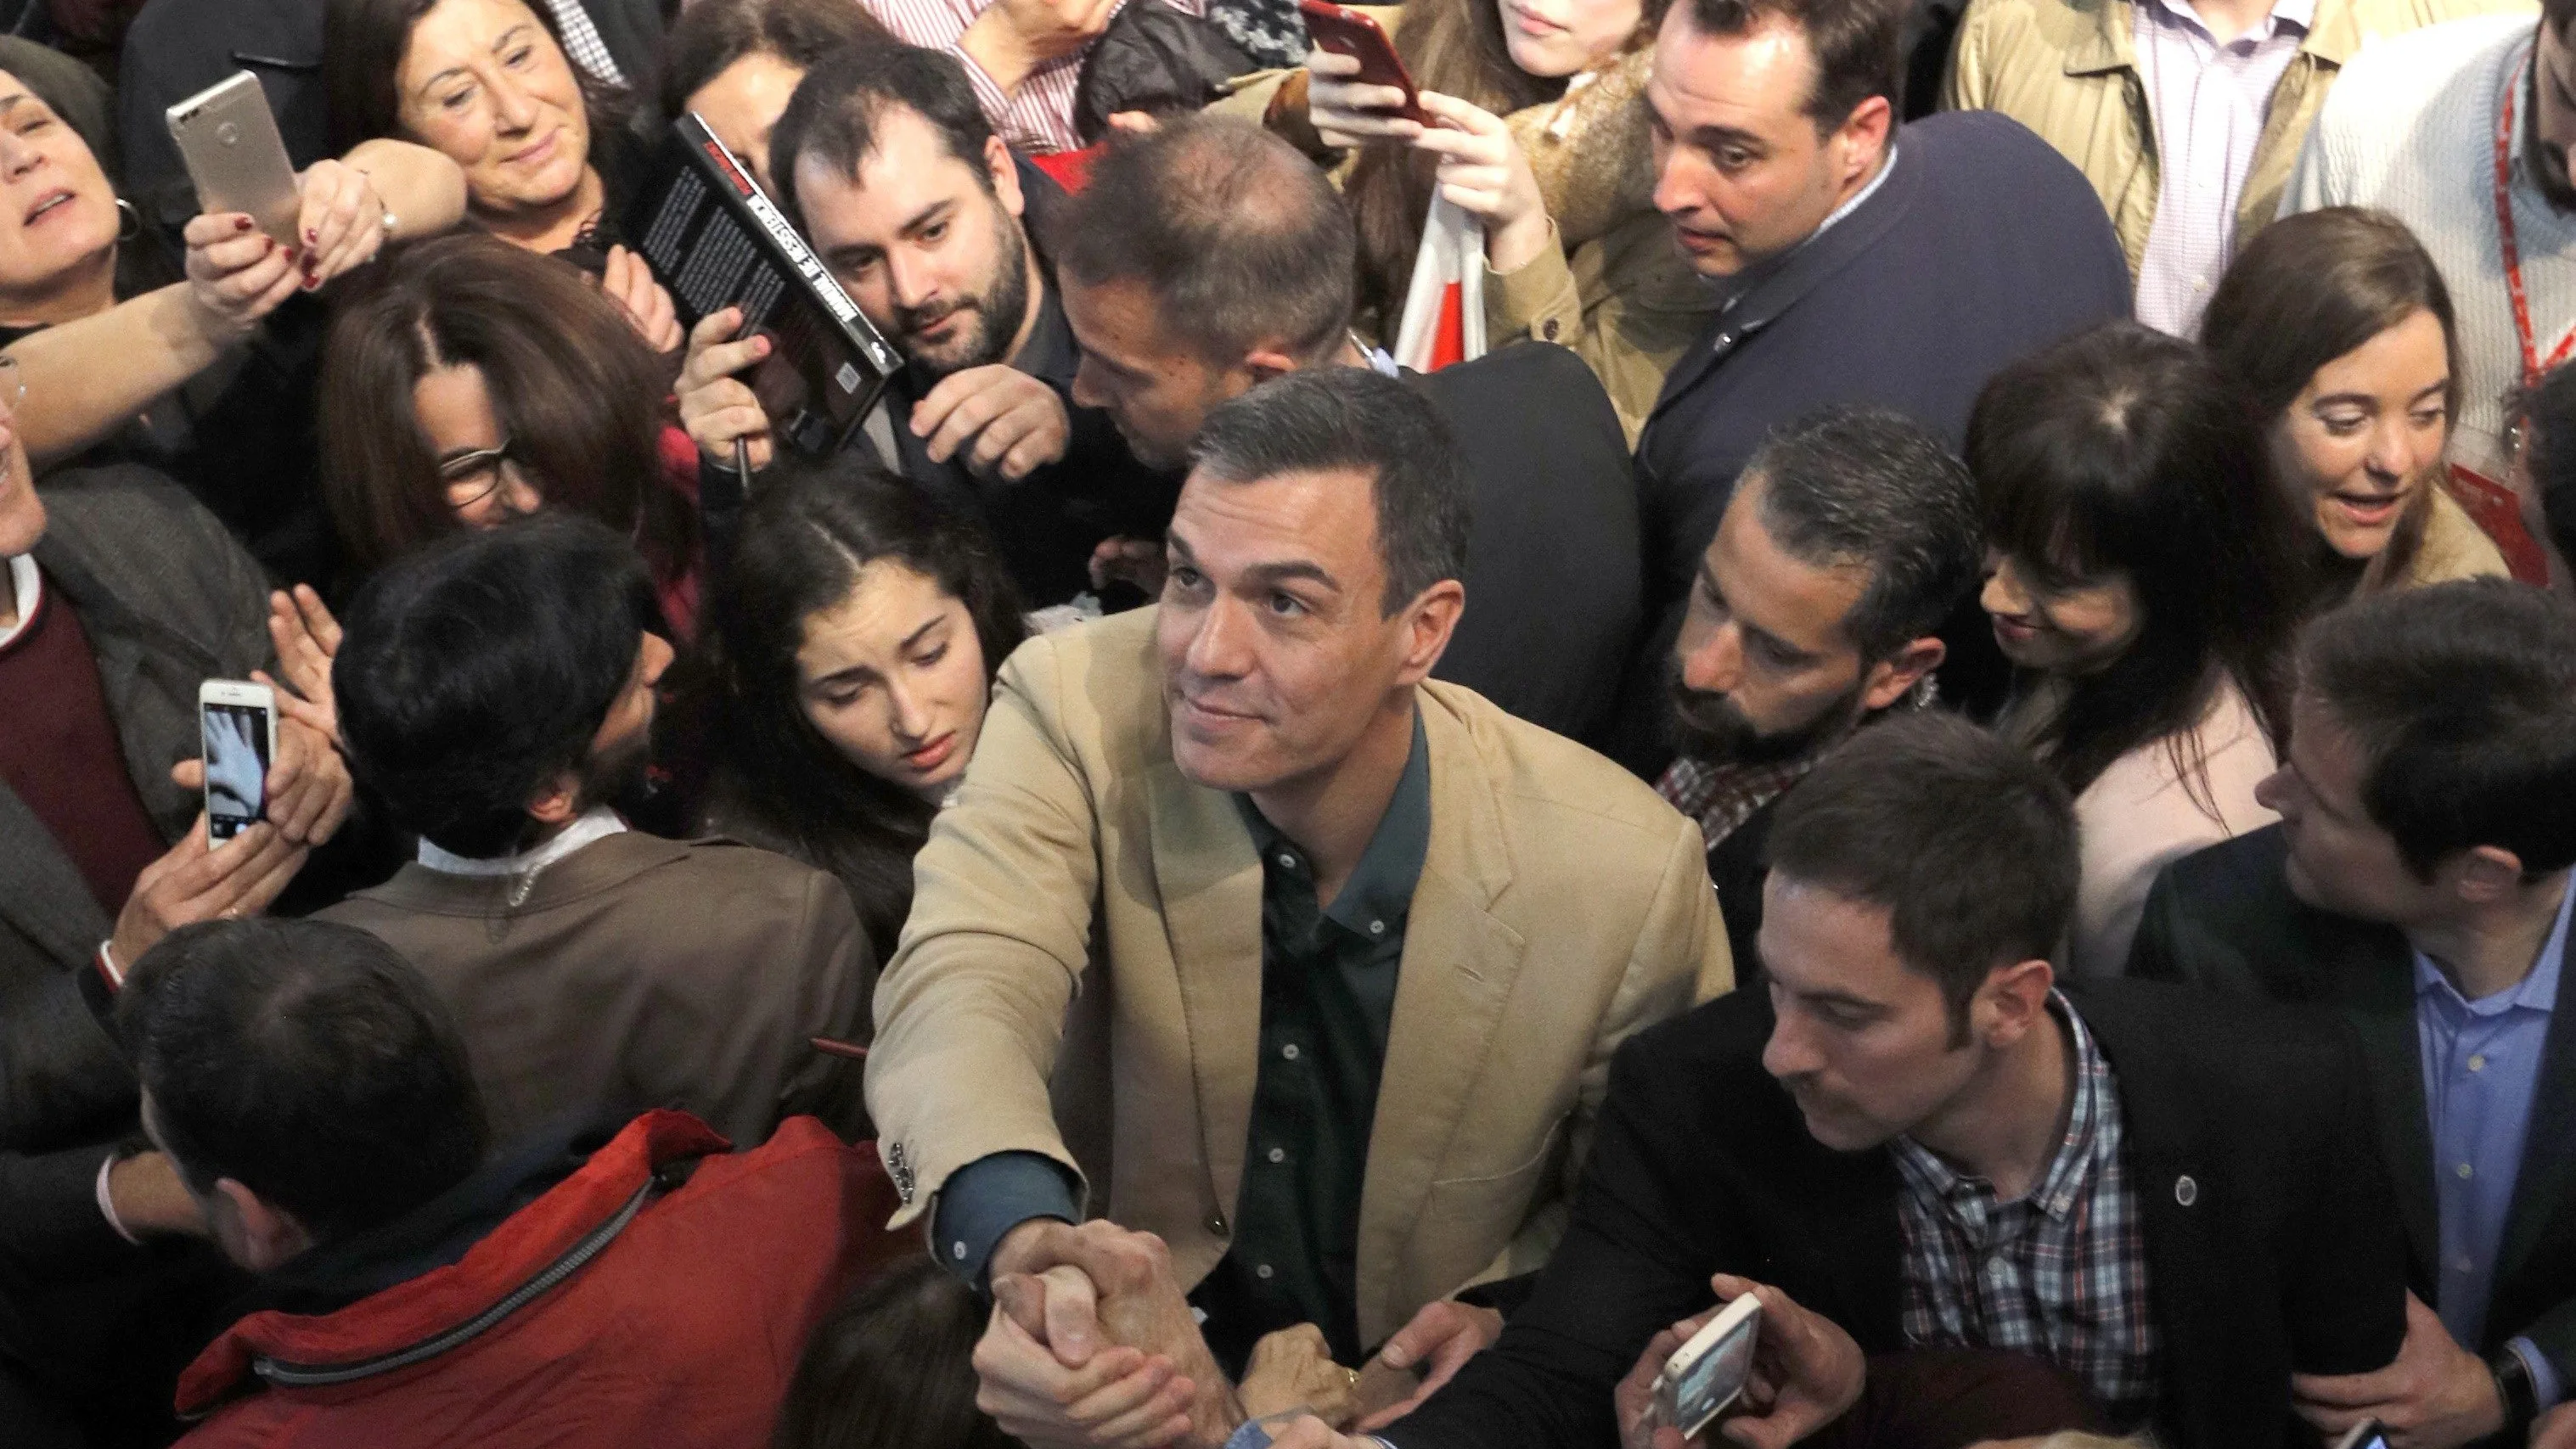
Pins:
<point x="2281" y="1255"/>
<point x="641" y="972"/>
<point x="2224" y="918"/>
<point x="1553" y="588"/>
<point x="1982" y="245"/>
<point x="168" y="600"/>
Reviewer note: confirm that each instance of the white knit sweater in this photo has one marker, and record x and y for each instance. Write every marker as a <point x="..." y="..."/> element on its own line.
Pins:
<point x="2410" y="129"/>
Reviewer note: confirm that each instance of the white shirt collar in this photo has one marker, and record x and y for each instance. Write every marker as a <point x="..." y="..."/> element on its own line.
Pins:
<point x="29" y="586"/>
<point x="597" y="823"/>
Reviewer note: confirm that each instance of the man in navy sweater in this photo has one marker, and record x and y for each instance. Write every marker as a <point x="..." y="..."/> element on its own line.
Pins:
<point x="1863" y="263"/>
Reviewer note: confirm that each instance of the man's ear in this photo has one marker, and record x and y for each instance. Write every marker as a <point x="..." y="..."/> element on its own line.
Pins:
<point x="1005" y="176"/>
<point x="1892" y="678"/>
<point x="269" y="1234"/>
<point x="1267" y="360"/>
<point x="1864" y="135"/>
<point x="1430" y="619"/>
<point x="558" y="801"/>
<point x="2486" y="874"/>
<point x="2013" y="1000"/>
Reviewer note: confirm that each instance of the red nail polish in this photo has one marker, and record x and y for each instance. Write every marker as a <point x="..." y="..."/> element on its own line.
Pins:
<point x="241" y="223"/>
<point x="311" y="236"/>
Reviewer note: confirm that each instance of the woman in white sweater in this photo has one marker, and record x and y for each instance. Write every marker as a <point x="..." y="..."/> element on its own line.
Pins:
<point x="2145" y="574"/>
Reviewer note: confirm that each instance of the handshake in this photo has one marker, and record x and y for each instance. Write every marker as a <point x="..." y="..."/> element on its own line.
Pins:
<point x="1092" y="1345"/>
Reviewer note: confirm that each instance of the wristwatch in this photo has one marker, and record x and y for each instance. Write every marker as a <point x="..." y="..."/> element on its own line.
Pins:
<point x="2520" y="1396"/>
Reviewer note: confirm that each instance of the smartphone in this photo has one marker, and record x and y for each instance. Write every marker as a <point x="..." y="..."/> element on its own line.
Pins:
<point x="2365" y="1435"/>
<point x="1705" y="1376"/>
<point x="230" y="142"/>
<point x="1344" y="31"/>
<point x="237" y="720"/>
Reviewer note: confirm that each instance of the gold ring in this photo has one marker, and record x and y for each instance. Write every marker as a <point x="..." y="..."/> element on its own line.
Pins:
<point x="1355" y="1376"/>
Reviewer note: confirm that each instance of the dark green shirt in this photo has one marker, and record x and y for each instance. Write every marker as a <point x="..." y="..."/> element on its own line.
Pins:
<point x="1327" y="997"/>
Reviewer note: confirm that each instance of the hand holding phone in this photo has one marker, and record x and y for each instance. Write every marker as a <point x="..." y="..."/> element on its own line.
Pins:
<point x="1704" y="1377"/>
<point x="230" y="143"/>
<point x="237" y="721"/>
<point x="1357" y="89"/>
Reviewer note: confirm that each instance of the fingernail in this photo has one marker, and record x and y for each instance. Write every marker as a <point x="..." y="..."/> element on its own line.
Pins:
<point x="241" y="223"/>
<point x="312" y="237"/>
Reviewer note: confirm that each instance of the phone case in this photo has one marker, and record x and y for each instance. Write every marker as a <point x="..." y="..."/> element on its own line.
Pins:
<point x="230" y="143"/>
<point x="1345" y="31"/>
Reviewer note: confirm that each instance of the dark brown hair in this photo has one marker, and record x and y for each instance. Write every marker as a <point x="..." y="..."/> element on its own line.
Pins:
<point x="893" y="1368"/>
<point x="577" y="392"/>
<point x="712" y="34"/>
<point x="2309" y="289"/>
<point x="1455" y="47"/>
<point x="363" y="44"/>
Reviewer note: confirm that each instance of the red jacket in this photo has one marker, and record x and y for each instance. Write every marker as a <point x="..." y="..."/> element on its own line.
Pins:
<point x="683" y="1329"/>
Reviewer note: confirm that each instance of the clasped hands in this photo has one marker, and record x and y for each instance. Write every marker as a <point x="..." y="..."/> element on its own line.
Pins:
<point x="1092" y="1345"/>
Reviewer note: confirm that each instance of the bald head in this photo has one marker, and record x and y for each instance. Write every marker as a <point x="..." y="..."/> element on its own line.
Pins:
<point x="1241" y="242"/>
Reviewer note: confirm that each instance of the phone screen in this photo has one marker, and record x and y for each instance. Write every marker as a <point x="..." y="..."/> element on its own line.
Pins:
<point x="1713" y="1382"/>
<point x="236" y="739"/>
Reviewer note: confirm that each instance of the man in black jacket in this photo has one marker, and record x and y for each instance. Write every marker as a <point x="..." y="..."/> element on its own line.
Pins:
<point x="2418" y="884"/>
<point x="1919" y="1138"/>
<point x="1212" y="256"/>
<point x="885" y="160"/>
<point x="1863" y="262"/>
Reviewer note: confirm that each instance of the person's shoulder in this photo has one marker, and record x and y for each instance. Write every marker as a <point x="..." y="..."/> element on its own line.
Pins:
<point x="1987" y="149"/>
<point x="2454" y="547"/>
<point x="2028" y="32"/>
<point x="1573" y="791"/>
<point x="2377" y="21"/>
<point x="1097" y="684"/>
<point x="140" y="534"/>
<point x="2395" y="77"/>
<point x="1530" y="389"/>
<point x="2237" y="1053"/>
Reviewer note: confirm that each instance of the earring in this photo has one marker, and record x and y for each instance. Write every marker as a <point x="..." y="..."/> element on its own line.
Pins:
<point x="129" y="222"/>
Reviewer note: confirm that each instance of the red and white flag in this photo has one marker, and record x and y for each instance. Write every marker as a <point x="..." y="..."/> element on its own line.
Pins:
<point x="1444" y="309"/>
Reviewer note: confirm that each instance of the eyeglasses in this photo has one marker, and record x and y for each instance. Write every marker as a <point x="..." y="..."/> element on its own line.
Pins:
<point x="473" y="477"/>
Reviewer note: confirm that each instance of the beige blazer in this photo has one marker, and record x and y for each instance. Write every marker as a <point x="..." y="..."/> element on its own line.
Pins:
<point x="1562" y="907"/>
<point x="2068" y="69"/>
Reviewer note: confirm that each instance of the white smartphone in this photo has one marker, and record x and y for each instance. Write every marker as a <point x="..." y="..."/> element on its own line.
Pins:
<point x="1705" y="1376"/>
<point x="234" y="154"/>
<point x="2365" y="1435"/>
<point x="237" y="720"/>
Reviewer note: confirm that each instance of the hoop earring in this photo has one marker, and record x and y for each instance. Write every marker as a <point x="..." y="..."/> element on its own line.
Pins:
<point x="129" y="222"/>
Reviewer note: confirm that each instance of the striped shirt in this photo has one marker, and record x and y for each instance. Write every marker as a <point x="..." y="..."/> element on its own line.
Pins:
<point x="1037" y="118"/>
<point x="2061" y="1273"/>
<point x="2208" y="102"/>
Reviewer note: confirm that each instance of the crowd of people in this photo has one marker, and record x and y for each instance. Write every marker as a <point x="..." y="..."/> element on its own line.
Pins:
<point x="1958" y="719"/>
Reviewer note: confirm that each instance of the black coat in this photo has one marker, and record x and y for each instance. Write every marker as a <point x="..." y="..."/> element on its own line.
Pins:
<point x="2224" y="918"/>
<point x="1982" y="246"/>
<point x="2281" y="1254"/>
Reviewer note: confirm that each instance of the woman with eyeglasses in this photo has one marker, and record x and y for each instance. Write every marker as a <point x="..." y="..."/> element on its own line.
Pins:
<point x="523" y="388"/>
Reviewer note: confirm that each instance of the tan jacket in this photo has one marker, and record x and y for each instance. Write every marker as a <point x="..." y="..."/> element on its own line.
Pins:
<point x="641" y="972"/>
<point x="1561" y="908"/>
<point x="2068" y="69"/>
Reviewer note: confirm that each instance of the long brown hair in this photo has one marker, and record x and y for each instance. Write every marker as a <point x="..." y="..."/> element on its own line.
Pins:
<point x="2311" y="288"/>
<point x="577" y="392"/>
<point x="1454" y="47"/>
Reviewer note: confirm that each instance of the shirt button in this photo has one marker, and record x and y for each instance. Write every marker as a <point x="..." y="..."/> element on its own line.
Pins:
<point x="2478" y="1063"/>
<point x="1290" y="1052"/>
<point x="1287" y="861"/>
<point x="1549" y="331"/>
<point x="1377" y="928"/>
<point x="2465" y="1265"/>
<point x="1264" y="1273"/>
<point x="2465" y="1171"/>
<point x="1278" y="1154"/>
<point x="957" y="1250"/>
<point x="1216" y="1224"/>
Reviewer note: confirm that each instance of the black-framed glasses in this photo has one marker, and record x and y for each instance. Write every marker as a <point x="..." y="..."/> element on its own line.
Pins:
<point x="471" y="478"/>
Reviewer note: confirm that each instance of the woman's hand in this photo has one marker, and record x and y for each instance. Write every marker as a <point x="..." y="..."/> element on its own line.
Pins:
<point x="341" y="226"/>
<point x="1345" y="113"/>
<point x="237" y="274"/>
<point x="307" y="639"/>
<point x="628" y="281"/>
<point x="1484" y="173"/>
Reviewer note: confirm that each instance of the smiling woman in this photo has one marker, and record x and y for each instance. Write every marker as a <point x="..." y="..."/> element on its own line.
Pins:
<point x="856" y="638"/>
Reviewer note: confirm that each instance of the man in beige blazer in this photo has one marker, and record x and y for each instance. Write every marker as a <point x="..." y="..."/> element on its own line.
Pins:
<point x="1125" y="899"/>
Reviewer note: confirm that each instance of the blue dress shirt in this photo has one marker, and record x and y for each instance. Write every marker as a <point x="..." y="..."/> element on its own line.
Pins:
<point x="2481" y="1072"/>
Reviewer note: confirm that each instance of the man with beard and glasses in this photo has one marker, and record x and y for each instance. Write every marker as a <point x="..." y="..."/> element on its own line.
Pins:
<point x="1852" y="536"/>
<point x="885" y="160"/>
<point x="496" y="692"/>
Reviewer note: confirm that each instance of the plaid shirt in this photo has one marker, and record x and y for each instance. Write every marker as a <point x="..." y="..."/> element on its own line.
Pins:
<point x="1719" y="797"/>
<point x="581" y="41"/>
<point x="1037" y="117"/>
<point x="2061" y="1273"/>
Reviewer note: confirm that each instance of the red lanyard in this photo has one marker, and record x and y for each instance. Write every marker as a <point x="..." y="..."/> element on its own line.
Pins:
<point x="2532" y="365"/>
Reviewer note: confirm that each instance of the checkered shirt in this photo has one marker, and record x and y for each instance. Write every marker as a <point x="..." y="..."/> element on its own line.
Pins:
<point x="1721" y="796"/>
<point x="1036" y="118"/>
<point x="581" y="42"/>
<point x="2061" y="1273"/>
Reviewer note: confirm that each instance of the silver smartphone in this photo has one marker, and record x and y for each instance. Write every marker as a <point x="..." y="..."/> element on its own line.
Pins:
<point x="1705" y="1376"/>
<point x="237" y="721"/>
<point x="2365" y="1435"/>
<point x="234" y="154"/>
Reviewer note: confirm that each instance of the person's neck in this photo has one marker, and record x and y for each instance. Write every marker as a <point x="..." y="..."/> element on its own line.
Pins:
<point x="85" y="290"/>
<point x="1037" y="295"/>
<point x="2491" y="950"/>
<point x="552" y="228"/>
<point x="2228" y="19"/>
<point x="1333" y="812"/>
<point x="2006" y="1124"/>
<point x="1861" y="180"/>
